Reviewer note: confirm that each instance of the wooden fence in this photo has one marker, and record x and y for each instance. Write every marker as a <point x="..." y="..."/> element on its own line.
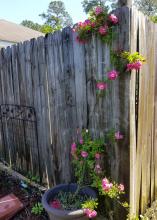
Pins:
<point x="56" y="77"/>
<point x="143" y="114"/>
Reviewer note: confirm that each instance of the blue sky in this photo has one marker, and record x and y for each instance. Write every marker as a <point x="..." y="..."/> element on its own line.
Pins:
<point x="18" y="10"/>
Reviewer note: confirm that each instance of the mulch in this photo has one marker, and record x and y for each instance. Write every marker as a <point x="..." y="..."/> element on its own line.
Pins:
<point x="28" y="196"/>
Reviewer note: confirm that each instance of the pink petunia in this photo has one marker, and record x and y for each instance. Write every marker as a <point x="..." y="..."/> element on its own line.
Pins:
<point x="84" y="154"/>
<point x="112" y="75"/>
<point x="118" y="136"/>
<point x="101" y="85"/>
<point x="55" y="204"/>
<point x="98" y="10"/>
<point x="121" y="187"/>
<point x="90" y="213"/>
<point x="113" y="18"/>
<point x="97" y="156"/>
<point x="103" y="30"/>
<point x="134" y="66"/>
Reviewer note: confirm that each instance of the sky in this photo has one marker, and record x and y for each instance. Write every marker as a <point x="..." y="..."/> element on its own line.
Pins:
<point x="18" y="10"/>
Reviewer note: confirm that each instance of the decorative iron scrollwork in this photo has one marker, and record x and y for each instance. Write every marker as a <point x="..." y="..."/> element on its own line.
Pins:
<point x="19" y="112"/>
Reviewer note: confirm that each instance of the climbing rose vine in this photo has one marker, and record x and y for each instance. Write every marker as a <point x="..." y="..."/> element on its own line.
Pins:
<point x="100" y="22"/>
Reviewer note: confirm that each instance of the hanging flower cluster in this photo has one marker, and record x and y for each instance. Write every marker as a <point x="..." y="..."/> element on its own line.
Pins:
<point x="100" y="22"/>
<point x="125" y="61"/>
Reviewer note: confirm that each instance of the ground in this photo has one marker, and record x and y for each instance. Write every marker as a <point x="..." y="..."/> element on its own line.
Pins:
<point x="28" y="197"/>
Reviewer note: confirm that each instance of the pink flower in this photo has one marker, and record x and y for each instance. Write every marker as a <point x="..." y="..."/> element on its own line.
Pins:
<point x="55" y="204"/>
<point x="101" y="85"/>
<point x="103" y="30"/>
<point x="106" y="185"/>
<point x="98" y="169"/>
<point x="113" y="18"/>
<point x="134" y="66"/>
<point x="87" y="22"/>
<point x="73" y="148"/>
<point x="112" y="75"/>
<point x="93" y="24"/>
<point x="105" y="181"/>
<point x="81" y="141"/>
<point x="98" y="10"/>
<point x="121" y="187"/>
<point x="97" y="156"/>
<point x="90" y="213"/>
<point x="84" y="154"/>
<point x="118" y="136"/>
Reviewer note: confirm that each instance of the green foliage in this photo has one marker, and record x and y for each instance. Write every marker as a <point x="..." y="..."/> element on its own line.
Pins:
<point x="153" y="19"/>
<point x="131" y="58"/>
<point x="90" y="204"/>
<point x="86" y="166"/>
<point x="46" y="29"/>
<point x="33" y="178"/>
<point x="70" y="200"/>
<point x="148" y="7"/>
<point x="37" y="209"/>
<point x="57" y="16"/>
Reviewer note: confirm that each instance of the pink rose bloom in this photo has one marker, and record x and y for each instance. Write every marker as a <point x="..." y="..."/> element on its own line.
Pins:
<point x="90" y="213"/>
<point x="121" y="187"/>
<point x="81" y="141"/>
<point x="97" y="156"/>
<point x="113" y="18"/>
<point x="118" y="136"/>
<point x="73" y="148"/>
<point x="103" y="30"/>
<point x="112" y="75"/>
<point x="84" y="154"/>
<point x="98" y="10"/>
<point x="101" y="85"/>
<point x="55" y="204"/>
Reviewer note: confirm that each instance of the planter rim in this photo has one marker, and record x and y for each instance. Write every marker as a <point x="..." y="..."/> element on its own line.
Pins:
<point x="58" y="212"/>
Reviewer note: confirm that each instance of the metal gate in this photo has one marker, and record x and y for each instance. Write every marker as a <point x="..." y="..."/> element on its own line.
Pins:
<point x="19" y="138"/>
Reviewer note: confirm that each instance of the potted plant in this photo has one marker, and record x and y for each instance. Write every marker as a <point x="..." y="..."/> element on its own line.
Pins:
<point x="79" y="201"/>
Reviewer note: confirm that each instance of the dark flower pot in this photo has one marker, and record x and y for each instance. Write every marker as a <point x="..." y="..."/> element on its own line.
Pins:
<point x="57" y="214"/>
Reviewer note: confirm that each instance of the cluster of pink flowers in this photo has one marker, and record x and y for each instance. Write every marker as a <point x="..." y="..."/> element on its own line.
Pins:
<point x="103" y="30"/>
<point x="55" y="204"/>
<point x="118" y="136"/>
<point x="113" y="18"/>
<point x="98" y="10"/>
<point x="90" y="213"/>
<point x="112" y="75"/>
<point x="106" y="185"/>
<point x="134" y="66"/>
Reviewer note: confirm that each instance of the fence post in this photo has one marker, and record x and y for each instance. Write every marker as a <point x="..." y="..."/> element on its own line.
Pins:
<point x="128" y="3"/>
